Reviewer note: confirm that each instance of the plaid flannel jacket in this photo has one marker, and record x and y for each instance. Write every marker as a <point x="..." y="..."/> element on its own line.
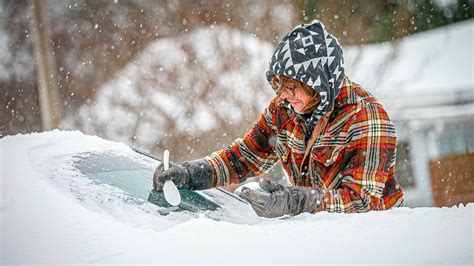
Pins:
<point x="352" y="161"/>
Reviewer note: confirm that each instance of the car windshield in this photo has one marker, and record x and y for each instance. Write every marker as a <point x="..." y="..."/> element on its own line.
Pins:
<point x="117" y="171"/>
<point x="134" y="177"/>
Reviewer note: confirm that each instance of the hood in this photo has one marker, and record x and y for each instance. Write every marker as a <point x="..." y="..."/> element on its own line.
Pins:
<point x="312" y="55"/>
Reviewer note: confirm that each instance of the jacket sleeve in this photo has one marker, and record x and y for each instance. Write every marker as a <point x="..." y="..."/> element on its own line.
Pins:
<point x="368" y="162"/>
<point x="251" y="156"/>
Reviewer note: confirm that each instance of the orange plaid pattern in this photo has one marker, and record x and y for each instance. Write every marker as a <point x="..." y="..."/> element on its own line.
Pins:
<point x="352" y="161"/>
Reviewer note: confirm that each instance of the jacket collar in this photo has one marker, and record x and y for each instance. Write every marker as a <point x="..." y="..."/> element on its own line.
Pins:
<point x="347" y="95"/>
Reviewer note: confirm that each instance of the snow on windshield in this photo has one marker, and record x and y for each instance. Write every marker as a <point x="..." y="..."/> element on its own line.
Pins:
<point x="43" y="221"/>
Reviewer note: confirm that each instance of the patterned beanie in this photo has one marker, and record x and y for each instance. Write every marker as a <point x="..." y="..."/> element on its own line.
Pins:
<point x="312" y="55"/>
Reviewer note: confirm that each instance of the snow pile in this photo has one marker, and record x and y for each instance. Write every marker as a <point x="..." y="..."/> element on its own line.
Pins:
<point x="42" y="223"/>
<point x="187" y="84"/>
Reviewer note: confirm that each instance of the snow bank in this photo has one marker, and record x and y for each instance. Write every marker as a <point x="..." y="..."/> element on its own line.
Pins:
<point x="43" y="224"/>
<point x="187" y="84"/>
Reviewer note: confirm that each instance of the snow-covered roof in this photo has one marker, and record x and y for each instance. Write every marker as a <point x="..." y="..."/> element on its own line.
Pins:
<point x="425" y="69"/>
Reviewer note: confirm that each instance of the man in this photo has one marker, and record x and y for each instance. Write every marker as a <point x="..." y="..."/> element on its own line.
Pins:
<point x="334" y="140"/>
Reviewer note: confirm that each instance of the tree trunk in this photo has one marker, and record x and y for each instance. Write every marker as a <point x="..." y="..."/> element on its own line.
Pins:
<point x="46" y="69"/>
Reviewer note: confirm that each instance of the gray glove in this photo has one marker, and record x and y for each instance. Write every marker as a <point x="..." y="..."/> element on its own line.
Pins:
<point x="195" y="174"/>
<point x="276" y="200"/>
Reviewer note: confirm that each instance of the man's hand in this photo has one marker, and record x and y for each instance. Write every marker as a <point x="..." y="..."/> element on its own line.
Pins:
<point x="177" y="173"/>
<point x="195" y="174"/>
<point x="276" y="200"/>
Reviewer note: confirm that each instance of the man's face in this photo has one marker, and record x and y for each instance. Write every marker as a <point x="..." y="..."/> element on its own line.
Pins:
<point x="294" y="93"/>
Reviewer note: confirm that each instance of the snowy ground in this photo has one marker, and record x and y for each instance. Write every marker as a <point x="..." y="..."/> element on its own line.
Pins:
<point x="42" y="223"/>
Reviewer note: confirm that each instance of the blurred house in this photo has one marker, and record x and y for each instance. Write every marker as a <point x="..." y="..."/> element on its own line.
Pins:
<point x="426" y="83"/>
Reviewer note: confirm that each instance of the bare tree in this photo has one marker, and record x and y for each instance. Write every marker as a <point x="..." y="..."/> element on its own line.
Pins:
<point x="46" y="68"/>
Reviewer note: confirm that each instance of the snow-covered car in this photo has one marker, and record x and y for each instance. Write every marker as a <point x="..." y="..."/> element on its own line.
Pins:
<point x="116" y="179"/>
<point x="71" y="198"/>
<point x="127" y="177"/>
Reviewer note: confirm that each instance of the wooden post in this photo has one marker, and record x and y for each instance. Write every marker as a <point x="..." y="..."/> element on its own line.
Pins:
<point x="49" y="99"/>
